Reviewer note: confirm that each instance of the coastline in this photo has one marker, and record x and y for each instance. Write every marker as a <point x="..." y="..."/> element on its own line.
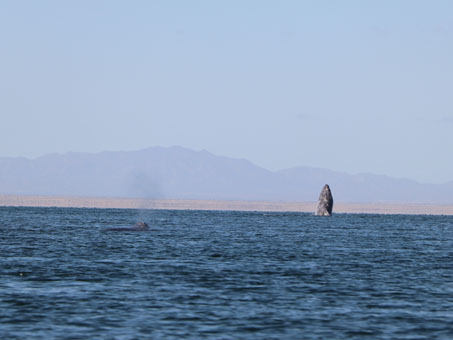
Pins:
<point x="187" y="204"/>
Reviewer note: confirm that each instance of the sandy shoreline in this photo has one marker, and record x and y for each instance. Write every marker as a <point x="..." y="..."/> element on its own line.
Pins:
<point x="137" y="203"/>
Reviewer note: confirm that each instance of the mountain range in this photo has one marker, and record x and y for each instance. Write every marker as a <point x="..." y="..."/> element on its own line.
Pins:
<point x="180" y="173"/>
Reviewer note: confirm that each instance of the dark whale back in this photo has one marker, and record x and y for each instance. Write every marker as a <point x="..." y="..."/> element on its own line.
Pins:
<point x="139" y="226"/>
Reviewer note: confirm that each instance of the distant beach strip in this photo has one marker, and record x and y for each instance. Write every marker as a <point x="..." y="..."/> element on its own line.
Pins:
<point x="180" y="204"/>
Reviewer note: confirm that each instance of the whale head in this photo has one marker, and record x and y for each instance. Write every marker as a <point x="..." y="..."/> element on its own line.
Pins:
<point x="325" y="202"/>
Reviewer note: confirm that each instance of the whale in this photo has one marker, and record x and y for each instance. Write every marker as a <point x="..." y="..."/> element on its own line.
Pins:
<point x="139" y="226"/>
<point x="325" y="202"/>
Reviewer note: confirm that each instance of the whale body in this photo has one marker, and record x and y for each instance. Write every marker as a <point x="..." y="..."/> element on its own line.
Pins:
<point x="325" y="203"/>
<point x="139" y="226"/>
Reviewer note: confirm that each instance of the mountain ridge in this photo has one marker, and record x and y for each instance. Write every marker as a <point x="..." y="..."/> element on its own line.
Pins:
<point x="180" y="173"/>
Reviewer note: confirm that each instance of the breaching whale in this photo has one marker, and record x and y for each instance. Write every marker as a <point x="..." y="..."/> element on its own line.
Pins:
<point x="139" y="226"/>
<point x="325" y="203"/>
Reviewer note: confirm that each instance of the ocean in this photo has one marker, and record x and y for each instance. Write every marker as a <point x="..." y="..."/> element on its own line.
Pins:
<point x="224" y="275"/>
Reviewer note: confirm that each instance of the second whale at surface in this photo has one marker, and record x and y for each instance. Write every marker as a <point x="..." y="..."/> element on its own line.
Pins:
<point x="139" y="226"/>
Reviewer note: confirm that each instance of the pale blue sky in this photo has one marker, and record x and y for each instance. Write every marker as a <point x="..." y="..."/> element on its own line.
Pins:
<point x="356" y="86"/>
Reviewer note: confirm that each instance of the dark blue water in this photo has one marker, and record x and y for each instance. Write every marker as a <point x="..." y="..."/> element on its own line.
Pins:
<point x="224" y="275"/>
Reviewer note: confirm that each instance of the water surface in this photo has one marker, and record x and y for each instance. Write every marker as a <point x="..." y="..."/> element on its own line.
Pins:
<point x="224" y="275"/>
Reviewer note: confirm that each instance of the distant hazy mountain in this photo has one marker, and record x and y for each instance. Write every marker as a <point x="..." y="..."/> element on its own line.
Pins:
<point x="181" y="173"/>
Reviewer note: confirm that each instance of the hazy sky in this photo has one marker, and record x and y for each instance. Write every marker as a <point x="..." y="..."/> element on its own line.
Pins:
<point x="357" y="86"/>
